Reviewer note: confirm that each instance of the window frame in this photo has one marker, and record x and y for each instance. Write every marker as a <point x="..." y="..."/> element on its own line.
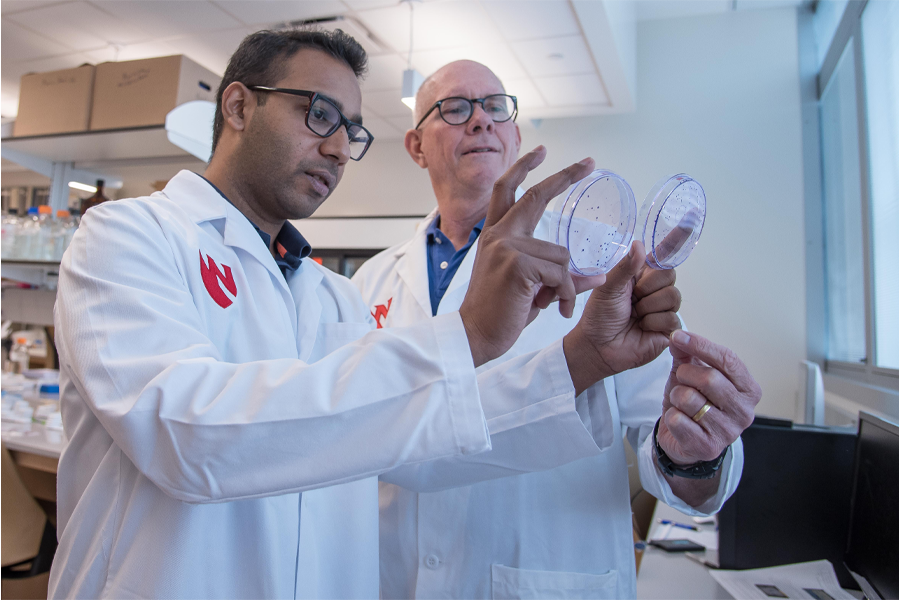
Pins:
<point x="873" y="386"/>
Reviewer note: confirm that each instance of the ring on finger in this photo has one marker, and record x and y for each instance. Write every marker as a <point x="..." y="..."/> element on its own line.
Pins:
<point x="703" y="410"/>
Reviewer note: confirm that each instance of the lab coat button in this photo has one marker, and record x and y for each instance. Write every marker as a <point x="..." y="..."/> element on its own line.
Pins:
<point x="432" y="561"/>
<point x="444" y="264"/>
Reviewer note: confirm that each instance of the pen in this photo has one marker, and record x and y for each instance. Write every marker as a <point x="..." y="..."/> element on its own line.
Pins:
<point x="674" y="524"/>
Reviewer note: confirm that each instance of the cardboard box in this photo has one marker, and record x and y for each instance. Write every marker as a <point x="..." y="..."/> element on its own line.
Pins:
<point x="138" y="93"/>
<point x="55" y="102"/>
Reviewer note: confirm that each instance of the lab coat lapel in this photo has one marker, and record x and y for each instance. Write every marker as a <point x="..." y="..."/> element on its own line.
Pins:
<point x="412" y="265"/>
<point x="456" y="291"/>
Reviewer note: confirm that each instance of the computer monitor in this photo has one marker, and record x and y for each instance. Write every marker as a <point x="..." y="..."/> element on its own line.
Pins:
<point x="872" y="555"/>
<point x="793" y="502"/>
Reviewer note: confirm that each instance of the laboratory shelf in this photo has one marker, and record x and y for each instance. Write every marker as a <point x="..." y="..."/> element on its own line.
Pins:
<point x="98" y="146"/>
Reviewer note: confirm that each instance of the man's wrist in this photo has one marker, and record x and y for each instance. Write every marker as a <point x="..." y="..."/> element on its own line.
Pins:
<point x="704" y="469"/>
<point x="586" y="366"/>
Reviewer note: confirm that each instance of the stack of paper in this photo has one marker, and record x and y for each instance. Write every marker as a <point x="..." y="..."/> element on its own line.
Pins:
<point x="807" y="581"/>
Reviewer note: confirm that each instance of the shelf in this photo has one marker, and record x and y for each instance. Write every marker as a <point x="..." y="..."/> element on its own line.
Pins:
<point x="98" y="146"/>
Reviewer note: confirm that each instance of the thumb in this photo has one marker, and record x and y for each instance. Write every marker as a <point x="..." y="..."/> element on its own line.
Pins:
<point x="627" y="268"/>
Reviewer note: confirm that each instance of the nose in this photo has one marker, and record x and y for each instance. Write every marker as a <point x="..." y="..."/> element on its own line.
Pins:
<point x="337" y="146"/>
<point x="479" y="119"/>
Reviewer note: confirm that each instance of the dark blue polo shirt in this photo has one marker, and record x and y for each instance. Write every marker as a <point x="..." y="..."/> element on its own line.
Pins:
<point x="444" y="259"/>
<point x="289" y="244"/>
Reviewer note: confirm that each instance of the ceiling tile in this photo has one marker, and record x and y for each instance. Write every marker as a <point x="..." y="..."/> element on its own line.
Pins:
<point x="666" y="9"/>
<point x="497" y="56"/>
<point x="385" y="73"/>
<point x="13" y="6"/>
<point x="519" y="20"/>
<point x="527" y="95"/>
<point x="131" y="52"/>
<point x="555" y="56"/>
<point x="385" y="103"/>
<point x="79" y="25"/>
<point x="19" y="44"/>
<point x="171" y="18"/>
<point x="436" y="25"/>
<point x="572" y="90"/>
<point x="212" y="50"/>
<point x="272" y="12"/>
<point x="358" y="5"/>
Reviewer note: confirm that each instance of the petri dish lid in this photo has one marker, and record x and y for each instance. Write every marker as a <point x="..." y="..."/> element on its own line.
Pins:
<point x="595" y="221"/>
<point x="672" y="217"/>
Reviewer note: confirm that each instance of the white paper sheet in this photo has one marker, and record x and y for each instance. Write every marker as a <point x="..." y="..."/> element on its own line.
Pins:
<point x="802" y="581"/>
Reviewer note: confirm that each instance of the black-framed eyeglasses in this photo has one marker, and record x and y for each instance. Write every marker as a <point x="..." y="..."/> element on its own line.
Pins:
<point x="323" y="118"/>
<point x="456" y="111"/>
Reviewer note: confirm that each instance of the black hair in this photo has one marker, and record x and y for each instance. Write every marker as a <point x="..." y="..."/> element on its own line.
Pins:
<point x="261" y="58"/>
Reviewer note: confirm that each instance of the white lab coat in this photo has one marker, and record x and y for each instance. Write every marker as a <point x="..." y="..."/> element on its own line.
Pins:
<point x="194" y="427"/>
<point x="562" y="533"/>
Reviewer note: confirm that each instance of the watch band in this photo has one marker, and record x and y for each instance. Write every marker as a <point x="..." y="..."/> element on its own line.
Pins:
<point x="705" y="469"/>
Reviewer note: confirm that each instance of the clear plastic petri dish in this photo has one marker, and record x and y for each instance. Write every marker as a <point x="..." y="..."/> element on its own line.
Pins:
<point x="595" y="222"/>
<point x="672" y="217"/>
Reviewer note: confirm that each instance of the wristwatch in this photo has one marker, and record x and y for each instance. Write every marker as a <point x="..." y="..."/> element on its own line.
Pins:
<point x="705" y="469"/>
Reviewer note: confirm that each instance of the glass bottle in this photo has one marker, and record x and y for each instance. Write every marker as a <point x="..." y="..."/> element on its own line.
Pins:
<point x="94" y="200"/>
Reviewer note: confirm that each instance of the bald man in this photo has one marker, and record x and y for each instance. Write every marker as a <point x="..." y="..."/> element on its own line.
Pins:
<point x="564" y="532"/>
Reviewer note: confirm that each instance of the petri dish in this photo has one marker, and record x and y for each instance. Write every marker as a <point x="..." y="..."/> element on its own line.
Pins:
<point x="672" y="217"/>
<point x="595" y="221"/>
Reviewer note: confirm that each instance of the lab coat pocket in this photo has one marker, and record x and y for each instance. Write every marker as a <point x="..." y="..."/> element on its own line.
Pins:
<point x="520" y="584"/>
<point x="331" y="336"/>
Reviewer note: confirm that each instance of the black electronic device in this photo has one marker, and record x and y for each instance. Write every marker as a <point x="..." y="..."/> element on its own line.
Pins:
<point x="678" y="545"/>
<point x="793" y="502"/>
<point x="872" y="554"/>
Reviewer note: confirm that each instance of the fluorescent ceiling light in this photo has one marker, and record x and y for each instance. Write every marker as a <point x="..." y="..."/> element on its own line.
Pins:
<point x="83" y="187"/>
<point x="412" y="81"/>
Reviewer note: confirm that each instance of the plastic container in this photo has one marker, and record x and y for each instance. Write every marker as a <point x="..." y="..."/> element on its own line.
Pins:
<point x="595" y="220"/>
<point x="672" y="217"/>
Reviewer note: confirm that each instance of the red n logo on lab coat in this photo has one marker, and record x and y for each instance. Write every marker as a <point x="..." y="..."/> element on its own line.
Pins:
<point x="381" y="311"/>
<point x="211" y="278"/>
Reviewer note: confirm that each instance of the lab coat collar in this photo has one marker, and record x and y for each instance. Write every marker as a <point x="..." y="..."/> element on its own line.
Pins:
<point x="412" y="263"/>
<point x="203" y="203"/>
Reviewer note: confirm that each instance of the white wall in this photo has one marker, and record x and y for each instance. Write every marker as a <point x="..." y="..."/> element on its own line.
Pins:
<point x="718" y="98"/>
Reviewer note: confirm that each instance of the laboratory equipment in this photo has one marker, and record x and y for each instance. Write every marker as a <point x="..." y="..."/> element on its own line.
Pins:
<point x="595" y="220"/>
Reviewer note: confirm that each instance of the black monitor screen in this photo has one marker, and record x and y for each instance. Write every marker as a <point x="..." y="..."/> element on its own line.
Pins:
<point x="872" y="541"/>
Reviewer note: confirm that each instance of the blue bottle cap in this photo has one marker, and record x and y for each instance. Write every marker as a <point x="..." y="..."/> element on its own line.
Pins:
<point x="49" y="388"/>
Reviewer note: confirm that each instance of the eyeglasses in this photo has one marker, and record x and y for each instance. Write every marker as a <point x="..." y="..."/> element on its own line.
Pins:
<point x="323" y="118"/>
<point x="456" y="111"/>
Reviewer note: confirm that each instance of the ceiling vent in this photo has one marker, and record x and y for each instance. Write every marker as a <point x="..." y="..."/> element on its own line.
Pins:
<point x="372" y="44"/>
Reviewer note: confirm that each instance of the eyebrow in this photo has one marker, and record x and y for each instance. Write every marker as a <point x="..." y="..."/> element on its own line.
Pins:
<point x="355" y="118"/>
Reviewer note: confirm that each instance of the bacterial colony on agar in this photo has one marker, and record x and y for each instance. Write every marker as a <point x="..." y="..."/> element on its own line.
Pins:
<point x="595" y="220"/>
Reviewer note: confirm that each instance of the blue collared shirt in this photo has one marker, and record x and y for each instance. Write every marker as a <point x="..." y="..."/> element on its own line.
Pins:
<point x="444" y="259"/>
<point x="289" y="244"/>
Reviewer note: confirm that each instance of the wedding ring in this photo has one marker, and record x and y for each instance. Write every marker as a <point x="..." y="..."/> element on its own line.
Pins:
<point x="702" y="412"/>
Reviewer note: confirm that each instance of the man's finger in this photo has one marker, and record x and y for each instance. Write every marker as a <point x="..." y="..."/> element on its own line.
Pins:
<point x="584" y="283"/>
<point x="667" y="299"/>
<point x="627" y="268"/>
<point x="652" y="280"/>
<point x="504" y="195"/>
<point x="719" y="357"/>
<point x="524" y="216"/>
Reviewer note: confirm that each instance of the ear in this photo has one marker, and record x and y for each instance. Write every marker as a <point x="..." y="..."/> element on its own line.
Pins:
<point x="237" y="105"/>
<point x="413" y="143"/>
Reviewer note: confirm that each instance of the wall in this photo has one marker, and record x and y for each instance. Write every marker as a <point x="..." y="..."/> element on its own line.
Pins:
<point x="718" y="98"/>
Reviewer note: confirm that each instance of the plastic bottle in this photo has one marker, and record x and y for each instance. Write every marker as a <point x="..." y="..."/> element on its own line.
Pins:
<point x="94" y="200"/>
<point x="44" y="248"/>
<point x="11" y="223"/>
<point x="63" y="230"/>
<point x="27" y="232"/>
<point x="18" y="356"/>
